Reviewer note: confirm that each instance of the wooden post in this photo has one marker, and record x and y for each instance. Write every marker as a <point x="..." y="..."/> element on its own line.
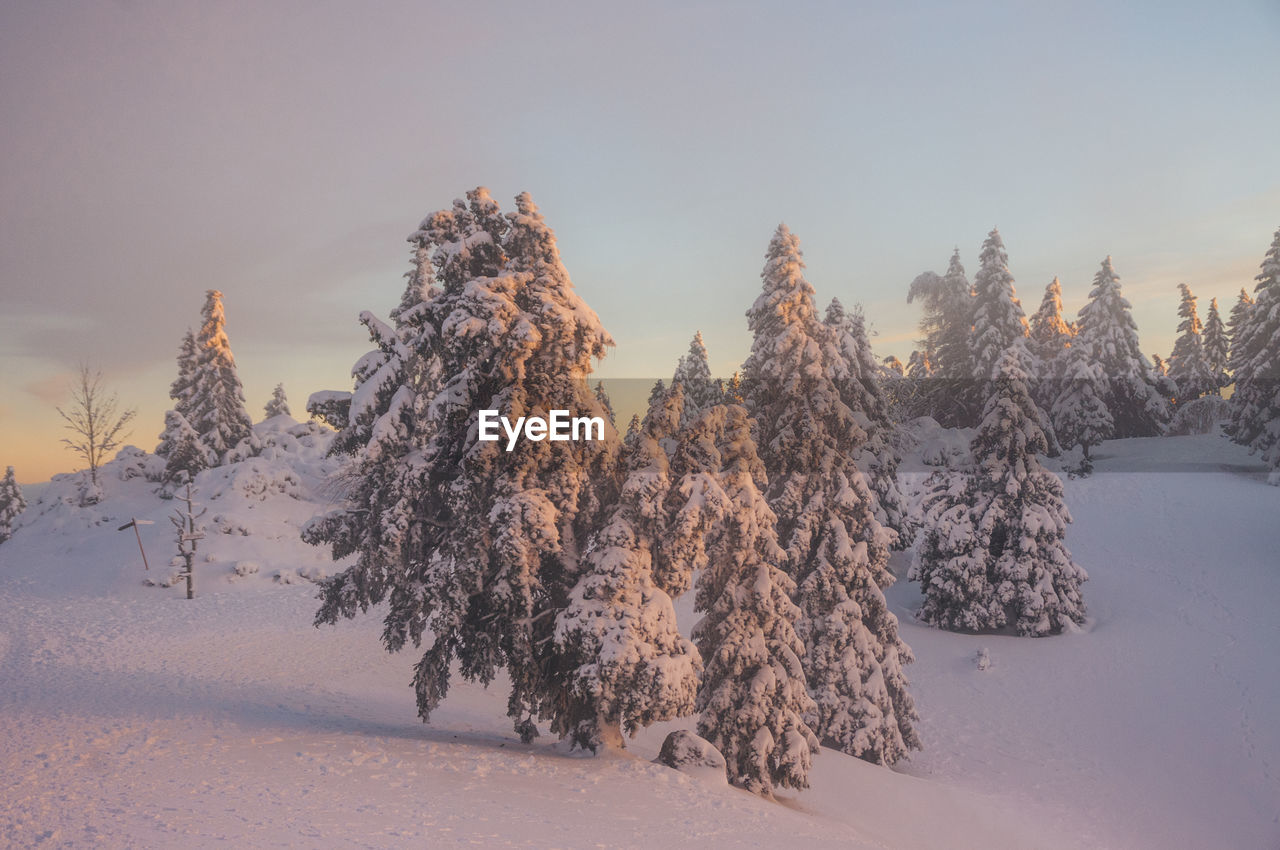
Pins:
<point x="134" y="523"/>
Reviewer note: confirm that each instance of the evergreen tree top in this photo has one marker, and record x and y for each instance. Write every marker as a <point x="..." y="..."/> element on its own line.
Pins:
<point x="1047" y="327"/>
<point x="1107" y="310"/>
<point x="1187" y="311"/>
<point x="998" y="318"/>
<point x="787" y="297"/>
<point x="1269" y="276"/>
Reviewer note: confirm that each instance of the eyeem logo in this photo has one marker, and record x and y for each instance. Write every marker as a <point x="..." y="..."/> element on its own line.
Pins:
<point x="559" y="427"/>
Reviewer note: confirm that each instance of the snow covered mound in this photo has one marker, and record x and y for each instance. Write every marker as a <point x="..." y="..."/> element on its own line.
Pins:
<point x="253" y="510"/>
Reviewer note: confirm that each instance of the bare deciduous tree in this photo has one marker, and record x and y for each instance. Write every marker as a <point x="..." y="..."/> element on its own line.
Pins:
<point x="94" y="420"/>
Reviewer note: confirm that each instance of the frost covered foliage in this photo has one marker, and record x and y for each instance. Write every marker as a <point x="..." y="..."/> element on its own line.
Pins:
<point x="1188" y="366"/>
<point x="216" y="404"/>
<point x="1217" y="347"/>
<point x="11" y="504"/>
<point x="1255" y="404"/>
<point x="629" y="665"/>
<point x="1137" y="407"/>
<point x="278" y="404"/>
<point x="857" y="377"/>
<point x="753" y="701"/>
<point x="811" y="435"/>
<point x="947" y="358"/>
<point x="693" y="372"/>
<point x="992" y="552"/>
<point x="1079" y="413"/>
<point x="475" y="549"/>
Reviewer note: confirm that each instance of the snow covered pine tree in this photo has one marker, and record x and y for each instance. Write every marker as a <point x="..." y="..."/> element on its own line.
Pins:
<point x="1217" y="347"/>
<point x="701" y="391"/>
<point x="180" y="392"/>
<point x="1105" y="324"/>
<point x="1080" y="413"/>
<point x="1049" y="336"/>
<point x="857" y="376"/>
<point x="1187" y="364"/>
<point x="629" y="664"/>
<point x="753" y="701"/>
<point x="277" y="405"/>
<point x="11" y="504"/>
<point x="217" y="411"/>
<point x="1255" y="405"/>
<point x="837" y="552"/>
<point x="476" y="547"/>
<point x="947" y="324"/>
<point x="992" y="552"/>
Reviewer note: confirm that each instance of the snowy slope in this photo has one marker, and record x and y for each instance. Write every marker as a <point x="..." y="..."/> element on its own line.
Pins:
<point x="131" y="717"/>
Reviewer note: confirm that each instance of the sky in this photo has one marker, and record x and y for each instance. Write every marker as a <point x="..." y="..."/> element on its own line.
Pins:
<point x="282" y="152"/>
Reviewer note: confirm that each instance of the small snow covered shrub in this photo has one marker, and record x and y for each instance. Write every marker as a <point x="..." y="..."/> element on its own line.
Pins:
<point x="133" y="462"/>
<point x="244" y="568"/>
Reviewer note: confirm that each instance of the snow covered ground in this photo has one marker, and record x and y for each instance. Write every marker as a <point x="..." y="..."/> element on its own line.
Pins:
<point x="132" y="717"/>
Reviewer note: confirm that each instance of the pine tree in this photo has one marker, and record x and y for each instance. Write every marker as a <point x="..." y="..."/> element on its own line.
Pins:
<point x="630" y="666"/>
<point x="187" y="454"/>
<point x="694" y="373"/>
<point x="998" y="319"/>
<point x="12" y="503"/>
<point x="180" y="391"/>
<point x="278" y="405"/>
<point x="810" y="440"/>
<point x="1080" y="414"/>
<point x="1188" y="366"/>
<point x="733" y="392"/>
<point x="1255" y="405"/>
<point x="1217" y="348"/>
<point x="476" y="547"/>
<point x="1049" y="332"/>
<point x="217" y="410"/>
<point x="606" y="404"/>
<point x="1235" y="329"/>
<point x="1000" y="328"/>
<point x="633" y="432"/>
<point x="992" y="551"/>
<point x="656" y="393"/>
<point x="857" y="377"/>
<point x="1048" y="338"/>
<point x="947" y="326"/>
<point x="753" y="700"/>
<point x="1137" y="407"/>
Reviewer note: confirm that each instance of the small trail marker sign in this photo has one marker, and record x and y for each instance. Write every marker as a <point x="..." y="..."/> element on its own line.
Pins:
<point x="134" y="523"/>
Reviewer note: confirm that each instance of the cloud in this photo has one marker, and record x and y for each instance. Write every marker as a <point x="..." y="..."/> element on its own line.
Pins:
<point x="51" y="390"/>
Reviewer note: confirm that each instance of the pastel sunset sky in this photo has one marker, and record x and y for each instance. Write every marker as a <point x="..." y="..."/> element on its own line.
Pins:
<point x="282" y="151"/>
